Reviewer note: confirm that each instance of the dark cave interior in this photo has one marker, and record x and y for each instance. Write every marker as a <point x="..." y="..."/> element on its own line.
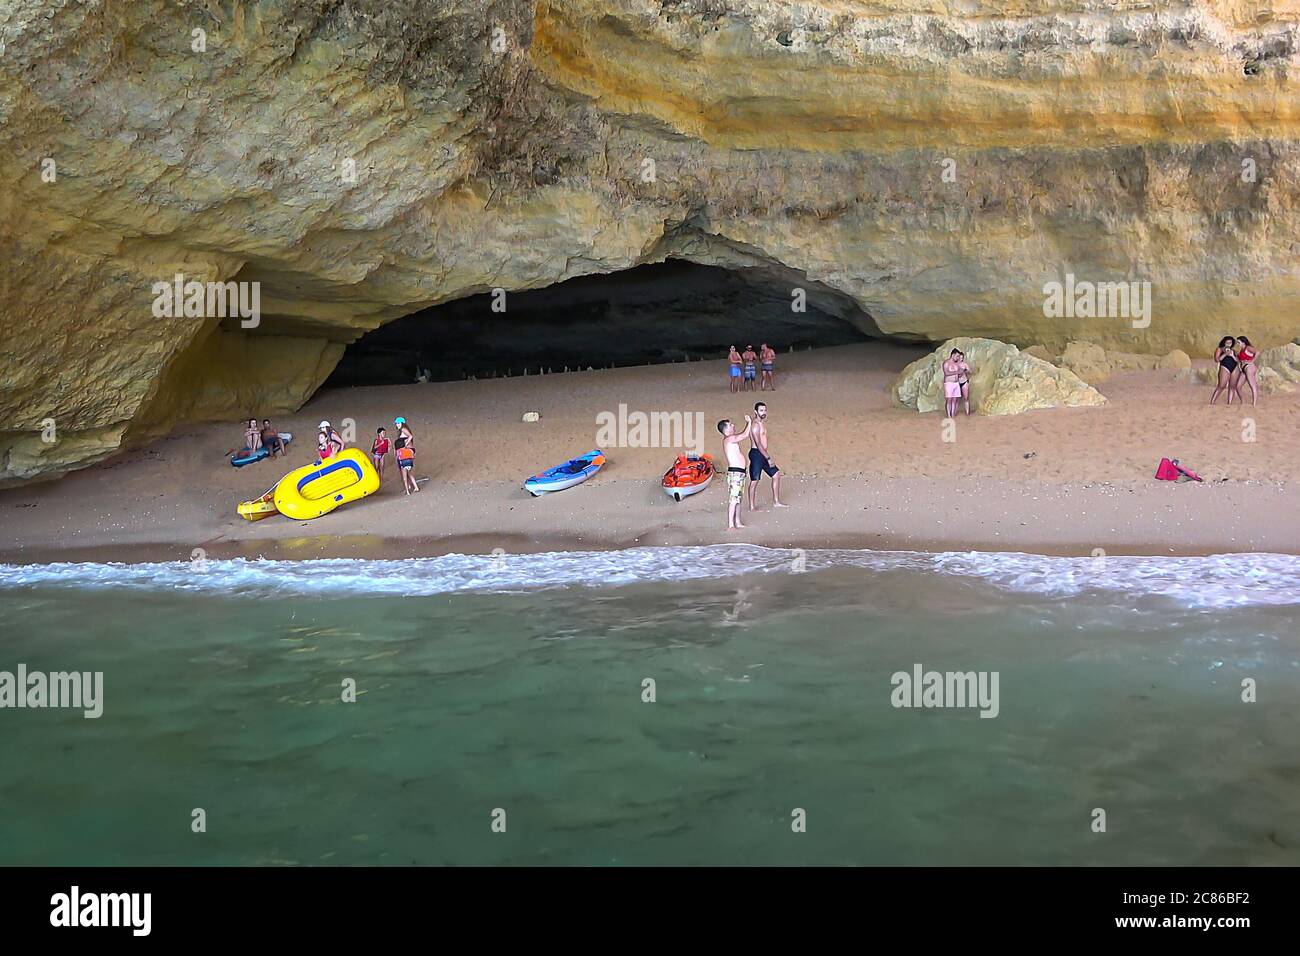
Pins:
<point x="664" y="312"/>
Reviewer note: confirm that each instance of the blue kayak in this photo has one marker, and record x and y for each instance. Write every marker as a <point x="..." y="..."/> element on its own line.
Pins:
<point x="245" y="458"/>
<point x="571" y="473"/>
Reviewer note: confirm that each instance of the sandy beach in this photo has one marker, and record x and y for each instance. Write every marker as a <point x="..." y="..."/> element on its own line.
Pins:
<point x="860" y="472"/>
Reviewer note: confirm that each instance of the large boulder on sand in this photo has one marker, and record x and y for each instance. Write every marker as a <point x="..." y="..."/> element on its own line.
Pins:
<point x="1284" y="359"/>
<point x="1004" y="380"/>
<point x="1094" y="364"/>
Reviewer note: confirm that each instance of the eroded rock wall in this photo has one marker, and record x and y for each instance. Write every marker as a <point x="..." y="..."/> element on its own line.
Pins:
<point x="935" y="163"/>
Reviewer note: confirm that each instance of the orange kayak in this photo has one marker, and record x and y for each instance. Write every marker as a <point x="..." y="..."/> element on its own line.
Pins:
<point x="689" y="475"/>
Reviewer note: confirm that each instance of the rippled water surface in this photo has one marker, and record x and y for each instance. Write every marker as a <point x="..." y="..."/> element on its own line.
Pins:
<point x="517" y="684"/>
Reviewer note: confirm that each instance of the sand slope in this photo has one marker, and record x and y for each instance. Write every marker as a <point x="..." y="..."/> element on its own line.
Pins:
<point x="859" y="472"/>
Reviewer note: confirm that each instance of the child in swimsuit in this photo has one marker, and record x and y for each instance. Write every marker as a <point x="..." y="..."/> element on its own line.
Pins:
<point x="379" y="452"/>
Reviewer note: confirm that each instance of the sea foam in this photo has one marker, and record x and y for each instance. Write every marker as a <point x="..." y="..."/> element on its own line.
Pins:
<point x="1216" y="581"/>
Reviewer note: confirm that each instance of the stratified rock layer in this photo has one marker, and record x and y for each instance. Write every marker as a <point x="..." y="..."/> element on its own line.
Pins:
<point x="931" y="167"/>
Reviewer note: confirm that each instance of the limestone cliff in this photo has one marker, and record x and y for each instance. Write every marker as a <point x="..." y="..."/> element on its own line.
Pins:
<point x="933" y="164"/>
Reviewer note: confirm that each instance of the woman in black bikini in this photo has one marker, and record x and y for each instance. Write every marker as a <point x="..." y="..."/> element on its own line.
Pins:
<point x="1226" y="359"/>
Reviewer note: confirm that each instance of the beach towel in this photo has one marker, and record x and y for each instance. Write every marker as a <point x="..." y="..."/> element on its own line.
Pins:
<point x="1171" y="470"/>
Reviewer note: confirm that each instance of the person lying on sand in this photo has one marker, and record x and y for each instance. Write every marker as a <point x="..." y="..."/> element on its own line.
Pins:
<point x="405" y="451"/>
<point x="750" y="358"/>
<point x="767" y="356"/>
<point x="760" y="460"/>
<point x="379" y="451"/>
<point x="733" y="370"/>
<point x="271" y="438"/>
<point x="735" y="469"/>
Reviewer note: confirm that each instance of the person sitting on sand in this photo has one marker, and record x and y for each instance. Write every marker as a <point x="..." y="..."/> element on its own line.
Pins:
<point x="1225" y="357"/>
<point x="735" y="469"/>
<point x="733" y="370"/>
<point x="750" y="358"/>
<point x="1246" y="355"/>
<point x="252" y="436"/>
<point x="955" y="372"/>
<point x="767" y="356"/>
<point x="405" y="451"/>
<point x="328" y="442"/>
<point x="379" y="451"/>
<point x="271" y="438"/>
<point x="760" y="459"/>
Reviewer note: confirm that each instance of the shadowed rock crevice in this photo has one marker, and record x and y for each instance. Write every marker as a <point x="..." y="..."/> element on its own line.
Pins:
<point x="664" y="312"/>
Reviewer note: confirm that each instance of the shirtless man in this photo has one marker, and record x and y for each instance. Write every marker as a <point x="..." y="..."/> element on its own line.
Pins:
<point x="767" y="358"/>
<point x="760" y="461"/>
<point x="735" y="469"/>
<point x="956" y="379"/>
<point x="271" y="438"/>
<point x="750" y="358"/>
<point x="733" y="370"/>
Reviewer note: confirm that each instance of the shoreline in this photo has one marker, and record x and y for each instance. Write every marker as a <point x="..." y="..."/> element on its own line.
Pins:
<point x="859" y="472"/>
<point x="1011" y="524"/>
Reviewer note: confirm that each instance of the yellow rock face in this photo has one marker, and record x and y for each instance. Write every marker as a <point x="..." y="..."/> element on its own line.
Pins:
<point x="1004" y="380"/>
<point x="938" y="166"/>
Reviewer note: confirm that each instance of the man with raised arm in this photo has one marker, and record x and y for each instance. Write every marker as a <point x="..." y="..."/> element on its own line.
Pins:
<point x="735" y="469"/>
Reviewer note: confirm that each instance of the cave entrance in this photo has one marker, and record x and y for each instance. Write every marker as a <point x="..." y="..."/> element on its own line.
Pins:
<point x="651" y="314"/>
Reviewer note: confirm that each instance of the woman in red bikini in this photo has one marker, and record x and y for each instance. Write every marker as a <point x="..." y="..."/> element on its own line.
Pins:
<point x="1246" y="369"/>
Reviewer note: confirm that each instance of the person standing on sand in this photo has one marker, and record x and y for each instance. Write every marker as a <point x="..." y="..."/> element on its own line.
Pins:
<point x="1226" y="360"/>
<point x="405" y="446"/>
<point x="964" y="380"/>
<point x="767" y="356"/>
<point x="733" y="370"/>
<point x="1246" y="370"/>
<point x="750" y="358"/>
<point x="760" y="460"/>
<point x="735" y="469"/>
<point x="952" y="379"/>
<point x="379" y="451"/>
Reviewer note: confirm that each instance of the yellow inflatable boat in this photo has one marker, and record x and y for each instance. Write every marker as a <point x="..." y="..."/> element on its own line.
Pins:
<point x="258" y="508"/>
<point x="320" y="487"/>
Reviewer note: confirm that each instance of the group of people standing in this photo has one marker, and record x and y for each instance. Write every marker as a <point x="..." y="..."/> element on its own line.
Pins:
<point x="329" y="443"/>
<point x="744" y="368"/>
<point x="759" y="461"/>
<point x="1235" y="358"/>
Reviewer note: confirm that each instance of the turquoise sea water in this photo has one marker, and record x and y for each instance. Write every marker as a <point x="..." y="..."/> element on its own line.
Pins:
<point x="516" y="684"/>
